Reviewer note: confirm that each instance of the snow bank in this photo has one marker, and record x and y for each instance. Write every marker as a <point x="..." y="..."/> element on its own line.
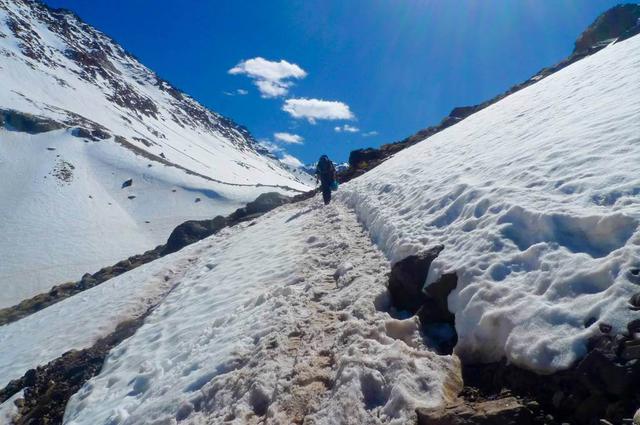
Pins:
<point x="277" y="322"/>
<point x="537" y="202"/>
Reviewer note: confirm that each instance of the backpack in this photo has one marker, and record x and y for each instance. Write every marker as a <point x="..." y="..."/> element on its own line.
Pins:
<point x="326" y="168"/>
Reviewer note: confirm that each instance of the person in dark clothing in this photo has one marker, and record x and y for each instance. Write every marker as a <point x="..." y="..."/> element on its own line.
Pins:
<point x="326" y="173"/>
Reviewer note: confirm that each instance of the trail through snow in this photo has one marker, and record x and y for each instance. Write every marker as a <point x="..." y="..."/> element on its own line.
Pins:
<point x="283" y="320"/>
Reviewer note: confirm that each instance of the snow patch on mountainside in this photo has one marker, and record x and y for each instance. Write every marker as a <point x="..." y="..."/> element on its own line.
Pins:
<point x="62" y="206"/>
<point x="537" y="202"/>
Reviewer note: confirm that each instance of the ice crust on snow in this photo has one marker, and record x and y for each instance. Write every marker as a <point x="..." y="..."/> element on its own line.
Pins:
<point x="537" y="202"/>
<point x="278" y="321"/>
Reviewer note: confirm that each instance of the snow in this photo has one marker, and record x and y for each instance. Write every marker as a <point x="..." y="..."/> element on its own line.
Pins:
<point x="55" y="231"/>
<point x="79" y="321"/>
<point x="8" y="409"/>
<point x="281" y="319"/>
<point x="66" y="228"/>
<point x="537" y="202"/>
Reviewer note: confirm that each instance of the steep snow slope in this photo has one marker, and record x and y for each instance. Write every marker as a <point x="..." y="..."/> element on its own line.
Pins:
<point x="112" y="119"/>
<point x="537" y="202"/>
<point x="277" y="319"/>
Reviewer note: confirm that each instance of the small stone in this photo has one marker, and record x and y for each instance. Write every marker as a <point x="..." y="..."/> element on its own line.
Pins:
<point x="127" y="183"/>
<point x="198" y="199"/>
<point x="605" y="328"/>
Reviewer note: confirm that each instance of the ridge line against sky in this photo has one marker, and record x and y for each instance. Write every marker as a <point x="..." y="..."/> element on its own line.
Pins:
<point x="336" y="76"/>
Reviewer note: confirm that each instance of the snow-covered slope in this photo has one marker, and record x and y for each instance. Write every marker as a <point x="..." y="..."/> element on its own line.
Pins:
<point x="99" y="117"/>
<point x="537" y="202"/>
<point x="276" y="320"/>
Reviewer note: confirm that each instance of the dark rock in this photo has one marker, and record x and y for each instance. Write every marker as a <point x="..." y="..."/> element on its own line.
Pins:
<point x="359" y="156"/>
<point x="634" y="301"/>
<point x="127" y="183"/>
<point x="407" y="278"/>
<point x="602" y="373"/>
<point x="87" y="281"/>
<point x="437" y="294"/>
<point x="633" y="327"/>
<point x="27" y="123"/>
<point x="266" y="202"/>
<point x="503" y="411"/>
<point x="591" y="408"/>
<point x="198" y="200"/>
<point x="131" y="196"/>
<point x="192" y="231"/>
<point x="462" y="112"/>
<point x="617" y="22"/>
<point x="605" y="328"/>
<point x="30" y="378"/>
<point x="438" y="323"/>
<point x="100" y="134"/>
<point x="631" y="350"/>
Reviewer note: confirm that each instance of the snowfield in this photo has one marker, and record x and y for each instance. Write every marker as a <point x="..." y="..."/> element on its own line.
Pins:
<point x="284" y="319"/>
<point x="63" y="210"/>
<point x="69" y="213"/>
<point x="537" y="202"/>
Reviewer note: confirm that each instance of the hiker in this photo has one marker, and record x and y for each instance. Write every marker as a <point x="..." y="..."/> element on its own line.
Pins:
<point x="326" y="173"/>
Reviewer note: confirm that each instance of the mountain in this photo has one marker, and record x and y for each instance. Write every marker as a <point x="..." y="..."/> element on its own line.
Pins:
<point x="99" y="157"/>
<point x="528" y="210"/>
<point x="488" y="273"/>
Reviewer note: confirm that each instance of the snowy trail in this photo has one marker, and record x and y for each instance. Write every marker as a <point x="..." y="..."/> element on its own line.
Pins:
<point x="280" y="321"/>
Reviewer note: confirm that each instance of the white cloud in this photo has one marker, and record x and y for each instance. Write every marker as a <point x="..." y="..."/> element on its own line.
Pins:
<point x="292" y="139"/>
<point x="272" y="78"/>
<point x="239" y="92"/>
<point x="291" y="161"/>
<point x="270" y="146"/>
<point x="370" y="133"/>
<point x="346" y="128"/>
<point x="317" y="109"/>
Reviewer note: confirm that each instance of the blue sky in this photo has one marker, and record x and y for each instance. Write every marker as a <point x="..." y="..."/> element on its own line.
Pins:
<point x="389" y="68"/>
